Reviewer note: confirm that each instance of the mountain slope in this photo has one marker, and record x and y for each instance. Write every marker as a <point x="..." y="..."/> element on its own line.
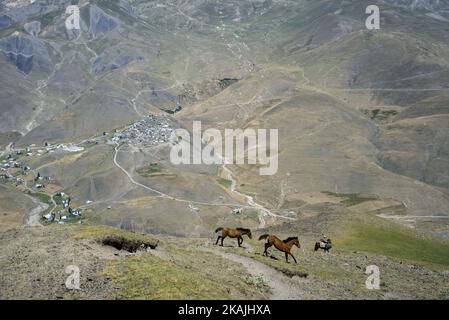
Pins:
<point x="362" y="118"/>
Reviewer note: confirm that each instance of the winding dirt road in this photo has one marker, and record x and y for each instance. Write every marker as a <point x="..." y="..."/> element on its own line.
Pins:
<point x="249" y="200"/>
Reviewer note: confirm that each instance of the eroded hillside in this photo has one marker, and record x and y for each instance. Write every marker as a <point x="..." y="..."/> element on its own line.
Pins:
<point x="86" y="116"/>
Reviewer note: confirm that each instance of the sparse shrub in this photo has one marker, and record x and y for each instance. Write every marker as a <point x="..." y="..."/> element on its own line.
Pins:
<point x="150" y="170"/>
<point x="257" y="281"/>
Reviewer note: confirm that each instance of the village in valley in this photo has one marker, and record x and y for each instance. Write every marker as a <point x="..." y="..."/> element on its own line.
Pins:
<point x="16" y="172"/>
<point x="152" y="130"/>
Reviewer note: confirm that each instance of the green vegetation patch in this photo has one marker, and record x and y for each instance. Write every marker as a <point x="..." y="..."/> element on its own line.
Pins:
<point x="150" y="171"/>
<point x="58" y="199"/>
<point x="42" y="197"/>
<point x="225" y="182"/>
<point x="350" y="199"/>
<point x="382" y="237"/>
<point x="380" y="115"/>
<point x="148" y="277"/>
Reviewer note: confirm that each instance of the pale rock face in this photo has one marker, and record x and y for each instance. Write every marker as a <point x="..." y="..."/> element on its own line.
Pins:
<point x="18" y="51"/>
<point x="25" y="53"/>
<point x="33" y="28"/>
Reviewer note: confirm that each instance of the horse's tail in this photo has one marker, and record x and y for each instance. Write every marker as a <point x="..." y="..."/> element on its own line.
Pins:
<point x="218" y="229"/>
<point x="264" y="236"/>
<point x="317" y="246"/>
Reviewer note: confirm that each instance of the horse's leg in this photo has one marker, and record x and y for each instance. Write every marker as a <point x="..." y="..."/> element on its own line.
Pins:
<point x="222" y="238"/>
<point x="267" y="245"/>
<point x="239" y="241"/>
<point x="217" y="240"/>
<point x="286" y="257"/>
<point x="293" y="257"/>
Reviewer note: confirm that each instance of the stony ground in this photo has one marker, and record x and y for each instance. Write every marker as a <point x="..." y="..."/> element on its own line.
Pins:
<point x="33" y="262"/>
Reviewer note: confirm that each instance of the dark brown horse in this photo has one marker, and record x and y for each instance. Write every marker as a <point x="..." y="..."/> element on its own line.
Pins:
<point x="282" y="245"/>
<point x="232" y="233"/>
<point x="326" y="245"/>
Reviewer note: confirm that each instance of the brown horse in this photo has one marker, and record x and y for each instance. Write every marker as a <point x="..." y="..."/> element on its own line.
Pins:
<point x="232" y="233"/>
<point x="282" y="245"/>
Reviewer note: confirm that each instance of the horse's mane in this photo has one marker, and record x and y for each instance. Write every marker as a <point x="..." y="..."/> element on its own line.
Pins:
<point x="290" y="239"/>
<point x="243" y="229"/>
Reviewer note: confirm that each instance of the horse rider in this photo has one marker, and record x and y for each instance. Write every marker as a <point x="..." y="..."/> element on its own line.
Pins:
<point x="324" y="241"/>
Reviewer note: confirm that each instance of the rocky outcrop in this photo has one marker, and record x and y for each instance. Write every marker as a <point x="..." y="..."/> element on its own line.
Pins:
<point x="25" y="53"/>
<point x="18" y="51"/>
<point x="33" y="28"/>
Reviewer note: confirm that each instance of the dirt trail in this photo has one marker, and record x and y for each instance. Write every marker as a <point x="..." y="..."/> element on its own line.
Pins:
<point x="263" y="212"/>
<point x="33" y="219"/>
<point x="282" y="287"/>
<point x="250" y="202"/>
<point x="163" y="195"/>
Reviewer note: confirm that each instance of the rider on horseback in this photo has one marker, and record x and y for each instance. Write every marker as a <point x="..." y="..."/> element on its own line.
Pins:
<point x="325" y="244"/>
<point x="323" y="241"/>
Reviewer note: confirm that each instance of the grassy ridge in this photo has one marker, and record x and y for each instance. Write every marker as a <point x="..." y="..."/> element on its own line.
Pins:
<point x="148" y="277"/>
<point x="183" y="272"/>
<point x="382" y="237"/>
<point x="103" y="231"/>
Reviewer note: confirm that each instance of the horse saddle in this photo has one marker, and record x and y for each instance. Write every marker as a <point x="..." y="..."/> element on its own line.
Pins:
<point x="325" y="245"/>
